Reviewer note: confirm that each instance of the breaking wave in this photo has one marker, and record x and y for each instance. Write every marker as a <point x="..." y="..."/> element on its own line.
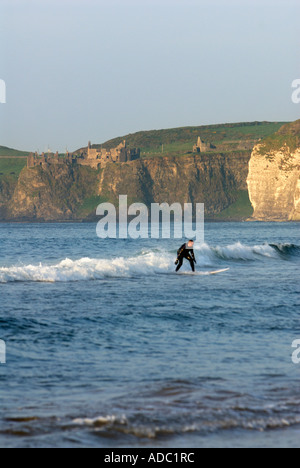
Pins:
<point x="88" y="269"/>
<point x="288" y="250"/>
<point x="240" y="252"/>
<point x="145" y="263"/>
<point x="112" y="425"/>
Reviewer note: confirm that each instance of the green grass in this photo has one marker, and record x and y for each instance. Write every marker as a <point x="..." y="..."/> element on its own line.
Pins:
<point x="4" y="151"/>
<point x="276" y="142"/>
<point x="241" y="209"/>
<point x="90" y="204"/>
<point x="12" y="166"/>
<point x="182" y="139"/>
<point x="288" y="135"/>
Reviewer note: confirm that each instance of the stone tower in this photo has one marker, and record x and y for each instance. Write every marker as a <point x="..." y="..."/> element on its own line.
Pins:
<point x="30" y="160"/>
<point x="201" y="146"/>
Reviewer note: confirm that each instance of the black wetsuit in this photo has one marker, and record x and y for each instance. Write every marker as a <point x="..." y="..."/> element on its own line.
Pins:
<point x="188" y="253"/>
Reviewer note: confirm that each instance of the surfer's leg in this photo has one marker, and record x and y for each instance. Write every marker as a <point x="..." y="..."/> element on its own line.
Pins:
<point x="192" y="264"/>
<point x="180" y="262"/>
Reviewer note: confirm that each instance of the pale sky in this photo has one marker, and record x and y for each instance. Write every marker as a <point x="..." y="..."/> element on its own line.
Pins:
<point x="79" y="70"/>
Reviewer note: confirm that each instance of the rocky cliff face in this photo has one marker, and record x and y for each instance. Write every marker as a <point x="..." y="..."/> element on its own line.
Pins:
<point x="274" y="176"/>
<point x="60" y="192"/>
<point x="7" y="188"/>
<point x="50" y="195"/>
<point x="210" y="179"/>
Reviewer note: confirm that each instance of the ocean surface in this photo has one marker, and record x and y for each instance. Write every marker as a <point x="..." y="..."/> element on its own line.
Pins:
<point x="107" y="347"/>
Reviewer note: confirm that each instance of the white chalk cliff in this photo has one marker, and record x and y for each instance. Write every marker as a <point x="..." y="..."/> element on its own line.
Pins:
<point x="274" y="177"/>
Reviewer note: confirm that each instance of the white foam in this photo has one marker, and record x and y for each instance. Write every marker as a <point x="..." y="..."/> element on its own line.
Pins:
<point x="100" y="421"/>
<point x="89" y="269"/>
<point x="146" y="263"/>
<point x="237" y="251"/>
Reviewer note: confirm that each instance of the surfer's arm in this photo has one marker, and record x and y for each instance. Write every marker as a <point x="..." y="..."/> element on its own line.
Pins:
<point x="181" y="250"/>
<point x="179" y="254"/>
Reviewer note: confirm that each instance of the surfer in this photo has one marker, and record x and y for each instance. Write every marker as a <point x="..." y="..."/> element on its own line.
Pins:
<point x="186" y="251"/>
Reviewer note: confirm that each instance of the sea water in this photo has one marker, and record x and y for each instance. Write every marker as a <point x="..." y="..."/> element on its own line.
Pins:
<point x="107" y="347"/>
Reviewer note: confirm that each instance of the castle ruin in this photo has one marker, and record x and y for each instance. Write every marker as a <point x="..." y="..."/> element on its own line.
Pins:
<point x="94" y="158"/>
<point x="44" y="160"/>
<point x="97" y="158"/>
<point x="202" y="147"/>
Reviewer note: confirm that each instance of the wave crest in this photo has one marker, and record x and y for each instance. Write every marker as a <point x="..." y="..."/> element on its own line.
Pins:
<point x="87" y="269"/>
<point x="146" y="263"/>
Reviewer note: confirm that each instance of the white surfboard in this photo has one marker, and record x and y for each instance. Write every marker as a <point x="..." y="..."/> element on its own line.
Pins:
<point x="203" y="273"/>
<point x="218" y="271"/>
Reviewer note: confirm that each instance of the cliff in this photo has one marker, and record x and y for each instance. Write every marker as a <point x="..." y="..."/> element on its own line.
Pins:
<point x="7" y="188"/>
<point x="71" y="193"/>
<point x="54" y="194"/>
<point x="220" y="180"/>
<point x="274" y="176"/>
<point x="215" y="180"/>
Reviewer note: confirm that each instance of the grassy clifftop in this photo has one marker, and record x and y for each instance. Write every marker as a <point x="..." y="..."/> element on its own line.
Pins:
<point x="11" y="166"/>
<point x="288" y="134"/>
<point x="227" y="137"/>
<point x="10" y="152"/>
